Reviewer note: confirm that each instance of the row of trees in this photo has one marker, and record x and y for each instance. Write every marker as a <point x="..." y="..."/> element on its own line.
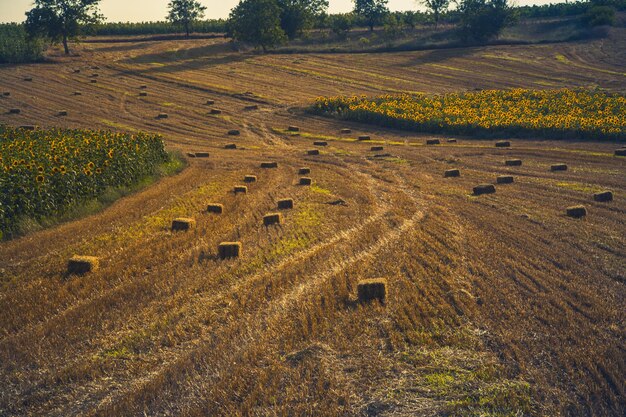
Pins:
<point x="267" y="23"/>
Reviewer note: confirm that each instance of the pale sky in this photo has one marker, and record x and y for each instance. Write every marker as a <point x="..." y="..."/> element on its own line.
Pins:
<point x="152" y="10"/>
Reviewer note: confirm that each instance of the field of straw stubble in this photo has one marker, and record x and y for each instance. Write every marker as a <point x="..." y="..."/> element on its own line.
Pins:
<point x="497" y="304"/>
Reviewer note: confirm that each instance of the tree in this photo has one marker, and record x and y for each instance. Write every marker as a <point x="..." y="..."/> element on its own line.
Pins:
<point x="372" y="11"/>
<point x="436" y="7"/>
<point x="257" y="22"/>
<point x="61" y="20"/>
<point x="299" y="15"/>
<point x="481" y="20"/>
<point x="341" y="24"/>
<point x="185" y="12"/>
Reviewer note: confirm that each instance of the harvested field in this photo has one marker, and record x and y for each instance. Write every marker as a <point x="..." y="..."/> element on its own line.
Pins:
<point x="493" y="304"/>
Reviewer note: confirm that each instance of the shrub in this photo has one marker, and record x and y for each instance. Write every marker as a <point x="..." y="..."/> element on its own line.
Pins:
<point x="16" y="47"/>
<point x="600" y="16"/>
<point x="482" y="20"/>
<point x="341" y="25"/>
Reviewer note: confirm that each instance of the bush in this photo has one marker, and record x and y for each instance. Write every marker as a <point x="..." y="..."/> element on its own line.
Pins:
<point x="600" y="16"/>
<point x="341" y="24"/>
<point x="16" y="47"/>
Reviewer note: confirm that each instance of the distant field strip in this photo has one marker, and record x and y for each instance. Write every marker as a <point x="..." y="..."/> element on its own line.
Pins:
<point x="563" y="113"/>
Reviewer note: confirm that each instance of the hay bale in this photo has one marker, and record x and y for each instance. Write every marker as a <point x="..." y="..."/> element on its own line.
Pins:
<point x="285" y="204"/>
<point x="27" y="127"/>
<point x="558" y="167"/>
<point x="576" y="212"/>
<point x="320" y="143"/>
<point x="450" y="173"/>
<point x="95" y="67"/>
<point x="313" y="152"/>
<point x="143" y="87"/>
<point x="162" y="116"/>
<point x="215" y="208"/>
<point x="382" y="155"/>
<point x="249" y="178"/>
<point x="306" y="181"/>
<point x="183" y="224"/>
<point x="346" y="131"/>
<point x="95" y="75"/>
<point x="304" y="171"/>
<point x="202" y="154"/>
<point x="230" y="146"/>
<point x="505" y="179"/>
<point x="269" y="165"/>
<point x="620" y="152"/>
<point x="191" y="155"/>
<point x="76" y="71"/>
<point x="251" y="107"/>
<point x="603" y="196"/>
<point x="293" y="129"/>
<point x="78" y="93"/>
<point x="364" y="137"/>
<point x="80" y="265"/>
<point x="503" y="144"/>
<point x="143" y="94"/>
<point x="210" y="102"/>
<point x="94" y="81"/>
<point x="433" y="142"/>
<point x="272" y="218"/>
<point x="234" y="132"/>
<point x="215" y="111"/>
<point x="28" y="79"/>
<point x="372" y="289"/>
<point x="63" y="113"/>
<point x="240" y="189"/>
<point x="484" y="189"/>
<point x="228" y="250"/>
<point x="376" y="148"/>
<point x="451" y="141"/>
<point x="513" y="162"/>
<point x="6" y="94"/>
<point x="14" y="111"/>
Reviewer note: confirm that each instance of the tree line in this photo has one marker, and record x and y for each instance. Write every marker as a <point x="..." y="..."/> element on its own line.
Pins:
<point x="267" y="23"/>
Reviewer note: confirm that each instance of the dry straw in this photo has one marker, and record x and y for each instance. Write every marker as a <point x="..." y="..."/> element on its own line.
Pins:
<point x="320" y="143"/>
<point x="63" y="113"/>
<point x="183" y="224"/>
<point x="162" y="116"/>
<point x="143" y="94"/>
<point x="513" y="162"/>
<point x="227" y="250"/>
<point x="215" y="111"/>
<point x="620" y="152"/>
<point x="558" y="167"/>
<point x="272" y="218"/>
<point x="93" y="81"/>
<point x="78" y="93"/>
<point x="306" y="181"/>
<point x="484" y="189"/>
<point x="230" y="146"/>
<point x="313" y="152"/>
<point x="450" y="173"/>
<point x="433" y="142"/>
<point x="293" y="129"/>
<point x="210" y="102"/>
<point x="376" y="148"/>
<point x="6" y="93"/>
<point x="249" y="178"/>
<point x="451" y="141"/>
<point x="28" y="79"/>
<point x="503" y="144"/>
<point x="215" y="208"/>
<point x="234" y="132"/>
<point x="79" y="265"/>
<point x="304" y="171"/>
<point x="576" y="212"/>
<point x="603" y="196"/>
<point x="505" y="179"/>
<point x="252" y="107"/>
<point x="372" y="289"/>
<point x="346" y="131"/>
<point x="268" y="165"/>
<point x="240" y="189"/>
<point x="143" y="87"/>
<point x="364" y="137"/>
<point x="285" y="204"/>
<point x="14" y="111"/>
<point x="202" y="154"/>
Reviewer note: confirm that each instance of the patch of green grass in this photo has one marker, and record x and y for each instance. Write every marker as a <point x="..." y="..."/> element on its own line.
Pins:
<point x="317" y="189"/>
<point x="577" y="186"/>
<point x="501" y="399"/>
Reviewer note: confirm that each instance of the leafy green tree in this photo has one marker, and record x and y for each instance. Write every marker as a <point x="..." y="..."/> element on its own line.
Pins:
<point x="185" y="12"/>
<point x="257" y="22"/>
<point x="372" y="11"/>
<point x="61" y="20"/>
<point x="298" y="15"/>
<point x="341" y="24"/>
<point x="436" y="7"/>
<point x="481" y="20"/>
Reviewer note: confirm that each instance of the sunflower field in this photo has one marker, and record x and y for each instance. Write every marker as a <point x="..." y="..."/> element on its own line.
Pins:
<point x="559" y="114"/>
<point x="46" y="172"/>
